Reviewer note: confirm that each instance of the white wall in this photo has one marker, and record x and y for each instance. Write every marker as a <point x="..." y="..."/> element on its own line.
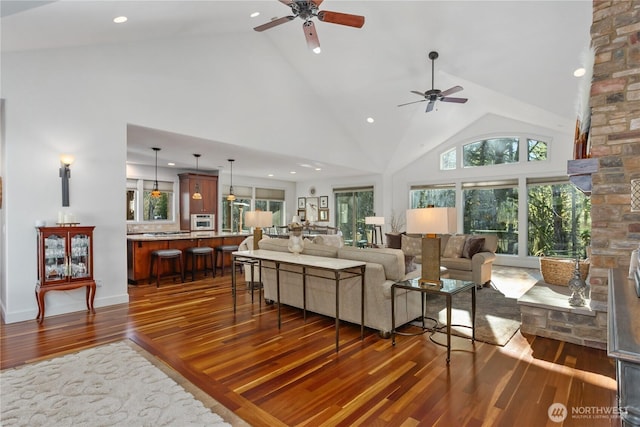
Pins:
<point x="79" y="101"/>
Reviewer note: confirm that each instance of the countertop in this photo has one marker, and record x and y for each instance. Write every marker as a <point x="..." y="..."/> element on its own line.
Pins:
<point x="181" y="235"/>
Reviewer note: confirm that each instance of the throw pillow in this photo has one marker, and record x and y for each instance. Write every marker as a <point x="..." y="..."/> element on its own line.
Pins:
<point x="454" y="247"/>
<point x="472" y="246"/>
<point x="409" y="265"/>
<point x="329" y="240"/>
<point x="412" y="245"/>
<point x="394" y="240"/>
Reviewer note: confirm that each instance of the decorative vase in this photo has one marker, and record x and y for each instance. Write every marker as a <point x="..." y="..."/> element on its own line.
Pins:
<point x="296" y="243"/>
<point x="578" y="288"/>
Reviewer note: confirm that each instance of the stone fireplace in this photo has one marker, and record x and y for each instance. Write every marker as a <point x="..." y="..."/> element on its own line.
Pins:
<point x="615" y="146"/>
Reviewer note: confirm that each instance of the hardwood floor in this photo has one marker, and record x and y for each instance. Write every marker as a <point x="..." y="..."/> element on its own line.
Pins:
<point x="294" y="376"/>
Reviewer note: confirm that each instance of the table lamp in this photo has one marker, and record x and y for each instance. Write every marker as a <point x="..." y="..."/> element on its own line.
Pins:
<point x="429" y="222"/>
<point x="377" y="222"/>
<point x="258" y="220"/>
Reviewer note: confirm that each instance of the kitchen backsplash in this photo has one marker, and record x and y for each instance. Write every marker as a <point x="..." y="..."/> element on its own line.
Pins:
<point x="136" y="228"/>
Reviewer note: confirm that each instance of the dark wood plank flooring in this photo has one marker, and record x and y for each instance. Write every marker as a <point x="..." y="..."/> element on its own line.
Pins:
<point x="294" y="377"/>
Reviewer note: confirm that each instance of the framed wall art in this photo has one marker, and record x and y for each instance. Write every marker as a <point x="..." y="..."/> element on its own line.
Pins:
<point x="324" y="202"/>
<point x="312" y="209"/>
<point x="302" y="213"/>
<point x="302" y="202"/>
<point x="323" y="214"/>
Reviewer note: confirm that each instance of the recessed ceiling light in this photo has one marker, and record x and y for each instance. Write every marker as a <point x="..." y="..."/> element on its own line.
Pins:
<point x="120" y="19"/>
<point x="317" y="50"/>
<point x="254" y="14"/>
<point x="579" y="72"/>
<point x="171" y="164"/>
<point x="270" y="174"/>
<point x="292" y="172"/>
<point x="318" y="169"/>
<point x="370" y="120"/>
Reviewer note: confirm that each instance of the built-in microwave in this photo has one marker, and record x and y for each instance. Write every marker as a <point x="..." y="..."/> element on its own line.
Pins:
<point x="201" y="222"/>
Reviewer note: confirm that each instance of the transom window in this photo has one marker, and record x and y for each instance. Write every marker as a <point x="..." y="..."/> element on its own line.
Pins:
<point x="490" y="152"/>
<point x="494" y="151"/>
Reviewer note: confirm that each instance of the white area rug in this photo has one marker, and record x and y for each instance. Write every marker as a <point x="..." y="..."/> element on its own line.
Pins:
<point x="110" y="385"/>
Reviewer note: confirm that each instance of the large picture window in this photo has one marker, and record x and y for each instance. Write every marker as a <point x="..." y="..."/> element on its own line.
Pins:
<point x="438" y="196"/>
<point x="352" y="205"/>
<point x="559" y="218"/>
<point x="492" y="208"/>
<point x="148" y="208"/>
<point x="271" y="200"/>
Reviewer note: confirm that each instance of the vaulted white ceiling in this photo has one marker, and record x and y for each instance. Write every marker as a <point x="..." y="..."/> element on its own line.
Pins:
<point x="285" y="108"/>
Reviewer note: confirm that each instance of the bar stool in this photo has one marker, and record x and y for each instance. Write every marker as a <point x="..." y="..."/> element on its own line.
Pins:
<point x="221" y="250"/>
<point x="168" y="254"/>
<point x="205" y="252"/>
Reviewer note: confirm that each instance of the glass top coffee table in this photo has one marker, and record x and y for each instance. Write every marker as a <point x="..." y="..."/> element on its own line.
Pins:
<point x="447" y="288"/>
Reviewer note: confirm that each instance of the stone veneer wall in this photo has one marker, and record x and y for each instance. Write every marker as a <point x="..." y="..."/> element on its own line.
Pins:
<point x="615" y="139"/>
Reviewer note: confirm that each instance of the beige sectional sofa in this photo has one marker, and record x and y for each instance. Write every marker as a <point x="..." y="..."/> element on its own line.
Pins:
<point x="384" y="267"/>
<point x="474" y="264"/>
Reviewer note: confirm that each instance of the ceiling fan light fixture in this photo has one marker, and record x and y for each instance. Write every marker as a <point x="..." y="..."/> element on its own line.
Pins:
<point x="196" y="193"/>
<point x="312" y="36"/>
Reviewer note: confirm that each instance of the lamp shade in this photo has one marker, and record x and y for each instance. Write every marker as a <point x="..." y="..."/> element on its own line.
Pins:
<point x="374" y="220"/>
<point x="259" y="219"/>
<point x="432" y="221"/>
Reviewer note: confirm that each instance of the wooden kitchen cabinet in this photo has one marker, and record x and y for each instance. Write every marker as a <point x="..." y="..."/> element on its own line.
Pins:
<point x="207" y="205"/>
<point x="139" y="251"/>
<point x="65" y="261"/>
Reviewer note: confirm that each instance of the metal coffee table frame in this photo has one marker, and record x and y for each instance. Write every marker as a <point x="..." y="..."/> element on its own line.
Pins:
<point x="448" y="288"/>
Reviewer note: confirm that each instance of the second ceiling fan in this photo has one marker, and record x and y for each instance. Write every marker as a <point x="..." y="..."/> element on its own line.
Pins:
<point x="307" y="9"/>
<point x="433" y="94"/>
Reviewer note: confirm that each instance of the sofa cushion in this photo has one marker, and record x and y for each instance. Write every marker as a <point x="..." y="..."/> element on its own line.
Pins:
<point x="472" y="246"/>
<point x="412" y="245"/>
<point x="392" y="260"/>
<point x="315" y="249"/>
<point x="456" y="263"/>
<point x="247" y="244"/>
<point x="334" y="240"/>
<point x="454" y="247"/>
<point x="280" y="245"/>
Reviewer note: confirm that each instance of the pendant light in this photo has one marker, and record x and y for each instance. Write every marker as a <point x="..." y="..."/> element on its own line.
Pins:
<point x="196" y="193"/>
<point x="231" y="197"/>
<point x="155" y="193"/>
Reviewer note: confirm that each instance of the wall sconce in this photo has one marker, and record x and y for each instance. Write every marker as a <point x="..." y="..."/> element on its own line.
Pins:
<point x="65" y="173"/>
<point x="430" y="222"/>
<point x="635" y="195"/>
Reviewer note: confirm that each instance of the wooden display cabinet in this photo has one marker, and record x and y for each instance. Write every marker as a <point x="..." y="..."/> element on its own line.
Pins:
<point x="207" y="205"/>
<point x="65" y="261"/>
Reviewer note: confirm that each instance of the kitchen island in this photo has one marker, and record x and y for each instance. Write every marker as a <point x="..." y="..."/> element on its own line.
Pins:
<point x="140" y="246"/>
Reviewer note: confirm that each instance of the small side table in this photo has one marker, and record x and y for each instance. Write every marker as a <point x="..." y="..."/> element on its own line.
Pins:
<point x="449" y="287"/>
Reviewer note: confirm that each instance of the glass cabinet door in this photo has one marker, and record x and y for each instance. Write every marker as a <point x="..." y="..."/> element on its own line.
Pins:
<point x="79" y="256"/>
<point x="55" y="257"/>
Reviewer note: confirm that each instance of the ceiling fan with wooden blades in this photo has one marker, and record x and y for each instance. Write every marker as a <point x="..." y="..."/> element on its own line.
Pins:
<point x="308" y="9"/>
<point x="433" y="94"/>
